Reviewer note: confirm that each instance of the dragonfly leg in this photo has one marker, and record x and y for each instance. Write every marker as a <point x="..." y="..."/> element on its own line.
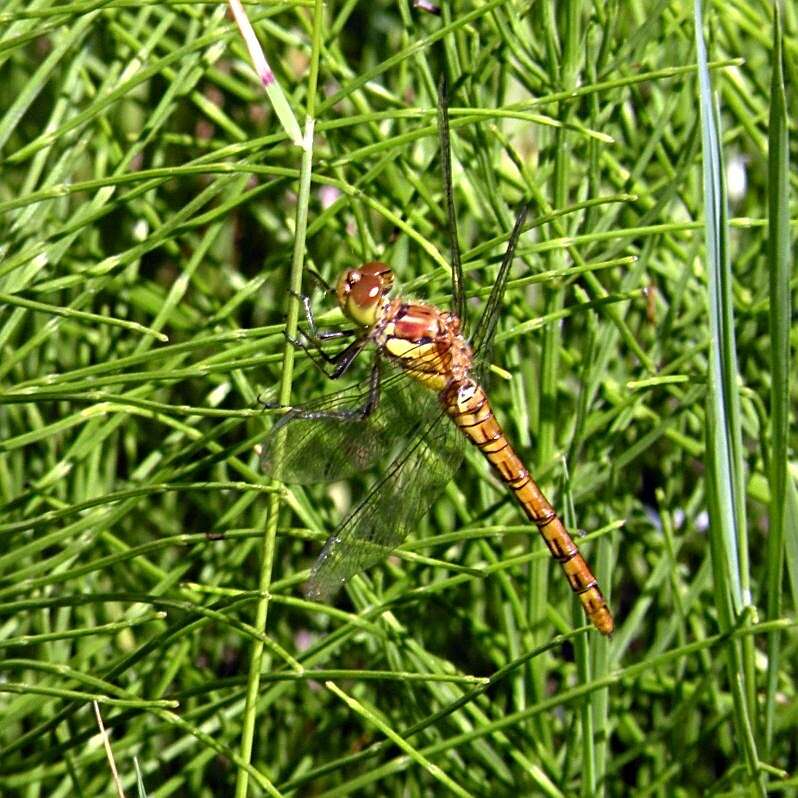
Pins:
<point x="307" y="307"/>
<point x="340" y="363"/>
<point x="354" y="414"/>
<point x="316" y="335"/>
<point x="325" y="286"/>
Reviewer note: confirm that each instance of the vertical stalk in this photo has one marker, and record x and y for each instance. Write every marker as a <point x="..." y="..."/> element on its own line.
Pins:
<point x="553" y="298"/>
<point x="538" y="572"/>
<point x="564" y="70"/>
<point x="270" y="532"/>
<point x="724" y="462"/>
<point x="780" y="323"/>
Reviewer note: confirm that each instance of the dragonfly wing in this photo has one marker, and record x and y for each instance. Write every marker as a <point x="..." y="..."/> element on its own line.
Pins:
<point x="393" y="507"/>
<point x="486" y="327"/>
<point x="444" y="142"/>
<point x="319" y="443"/>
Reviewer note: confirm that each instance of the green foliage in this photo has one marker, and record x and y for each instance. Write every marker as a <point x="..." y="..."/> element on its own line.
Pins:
<point x="155" y="220"/>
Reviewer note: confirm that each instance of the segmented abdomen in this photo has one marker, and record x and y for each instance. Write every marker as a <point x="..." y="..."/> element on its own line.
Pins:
<point x="469" y="408"/>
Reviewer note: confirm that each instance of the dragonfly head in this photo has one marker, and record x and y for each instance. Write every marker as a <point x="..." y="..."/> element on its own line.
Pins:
<point x="362" y="291"/>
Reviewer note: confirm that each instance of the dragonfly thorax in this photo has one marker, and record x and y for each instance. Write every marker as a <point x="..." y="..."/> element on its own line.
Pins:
<point x="425" y="341"/>
<point x="363" y="292"/>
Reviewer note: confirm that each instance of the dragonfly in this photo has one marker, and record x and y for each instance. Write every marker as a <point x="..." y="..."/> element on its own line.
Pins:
<point x="424" y="399"/>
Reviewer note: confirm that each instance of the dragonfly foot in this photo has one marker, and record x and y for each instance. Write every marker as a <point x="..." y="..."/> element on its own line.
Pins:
<point x="268" y="405"/>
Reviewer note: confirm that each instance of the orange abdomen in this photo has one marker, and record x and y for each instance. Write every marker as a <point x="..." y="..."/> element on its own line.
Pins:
<point x="469" y="408"/>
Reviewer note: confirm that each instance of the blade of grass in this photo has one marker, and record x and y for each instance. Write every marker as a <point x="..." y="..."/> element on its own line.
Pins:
<point x="270" y="533"/>
<point x="725" y="485"/>
<point x="273" y="90"/>
<point x="780" y="319"/>
<point x="371" y="716"/>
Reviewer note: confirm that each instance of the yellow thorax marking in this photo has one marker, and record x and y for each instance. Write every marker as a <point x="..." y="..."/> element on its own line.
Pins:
<point x="422" y="361"/>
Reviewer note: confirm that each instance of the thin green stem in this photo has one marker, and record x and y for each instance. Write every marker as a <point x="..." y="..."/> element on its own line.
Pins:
<point x="270" y="532"/>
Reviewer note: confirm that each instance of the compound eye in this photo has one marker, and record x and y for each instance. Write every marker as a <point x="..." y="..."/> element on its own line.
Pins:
<point x="382" y="271"/>
<point x="361" y="292"/>
<point x="366" y="291"/>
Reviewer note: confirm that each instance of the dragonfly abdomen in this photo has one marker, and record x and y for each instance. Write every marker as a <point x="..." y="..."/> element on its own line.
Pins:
<point x="468" y="406"/>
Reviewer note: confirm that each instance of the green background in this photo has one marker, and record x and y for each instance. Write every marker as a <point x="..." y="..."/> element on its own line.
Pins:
<point x="155" y="214"/>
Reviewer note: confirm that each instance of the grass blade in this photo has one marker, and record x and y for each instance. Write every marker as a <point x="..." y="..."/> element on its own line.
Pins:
<point x="780" y="319"/>
<point x="725" y="484"/>
<point x="266" y="76"/>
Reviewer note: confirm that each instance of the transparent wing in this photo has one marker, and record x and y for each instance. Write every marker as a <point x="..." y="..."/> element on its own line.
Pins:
<point x="393" y="507"/>
<point x="486" y="326"/>
<point x="320" y="445"/>
<point x="458" y="291"/>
